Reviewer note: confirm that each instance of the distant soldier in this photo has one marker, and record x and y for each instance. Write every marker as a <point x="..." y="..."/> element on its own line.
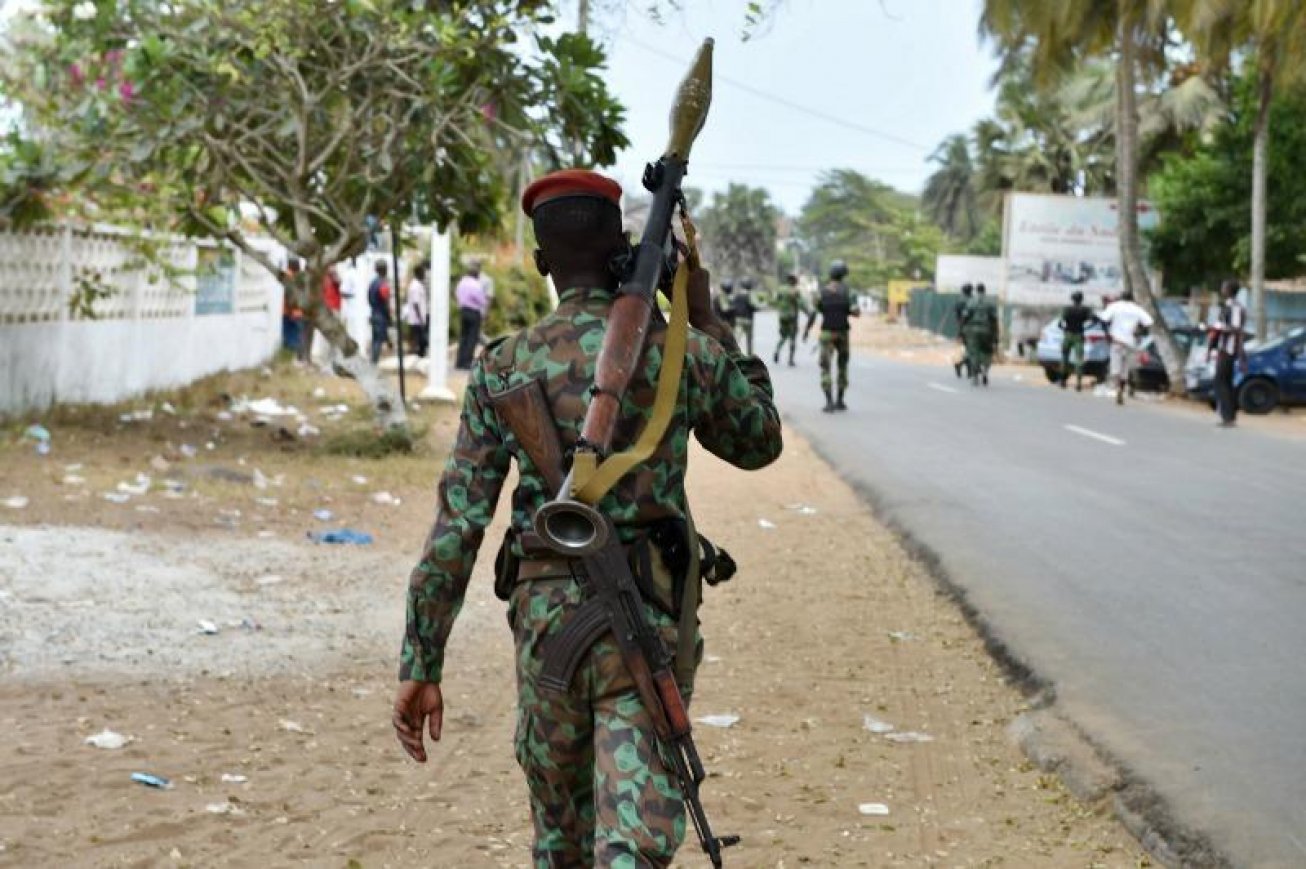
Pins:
<point x="1074" y="320"/>
<point x="744" y="310"/>
<point x="958" y="313"/>
<point x="835" y="305"/>
<point x="979" y="329"/>
<point x="789" y="303"/>
<point x="723" y="303"/>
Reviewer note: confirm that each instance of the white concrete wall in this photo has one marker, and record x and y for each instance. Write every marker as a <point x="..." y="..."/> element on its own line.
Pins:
<point x="146" y="336"/>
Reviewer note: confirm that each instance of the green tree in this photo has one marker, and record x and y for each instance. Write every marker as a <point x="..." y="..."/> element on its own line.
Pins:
<point x="949" y="197"/>
<point x="1055" y="38"/>
<point x="186" y="115"/>
<point x="1206" y="228"/>
<point x="877" y="230"/>
<point x="739" y="232"/>
<point x="1272" y="33"/>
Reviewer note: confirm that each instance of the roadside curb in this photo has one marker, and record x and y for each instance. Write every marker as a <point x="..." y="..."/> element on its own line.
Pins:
<point x="1050" y="740"/>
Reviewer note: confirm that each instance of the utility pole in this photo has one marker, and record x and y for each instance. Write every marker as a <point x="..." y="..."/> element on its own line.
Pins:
<point x="582" y="16"/>
<point x="399" y="316"/>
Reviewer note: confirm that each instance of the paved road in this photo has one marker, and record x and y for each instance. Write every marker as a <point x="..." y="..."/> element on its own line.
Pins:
<point x="1150" y="565"/>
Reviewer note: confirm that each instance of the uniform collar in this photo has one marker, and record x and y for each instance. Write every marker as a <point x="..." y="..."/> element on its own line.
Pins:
<point x="578" y="296"/>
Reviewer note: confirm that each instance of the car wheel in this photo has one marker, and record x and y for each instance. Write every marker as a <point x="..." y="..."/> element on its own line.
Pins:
<point x="1258" y="396"/>
<point x="1053" y="372"/>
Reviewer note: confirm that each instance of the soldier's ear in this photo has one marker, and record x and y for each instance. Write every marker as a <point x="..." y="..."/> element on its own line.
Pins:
<point x="541" y="264"/>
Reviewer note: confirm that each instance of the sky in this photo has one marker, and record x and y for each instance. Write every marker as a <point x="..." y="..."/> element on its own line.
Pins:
<point x="901" y="74"/>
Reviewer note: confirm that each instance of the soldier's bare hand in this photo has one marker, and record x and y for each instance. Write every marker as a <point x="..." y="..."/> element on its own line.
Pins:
<point x="418" y="705"/>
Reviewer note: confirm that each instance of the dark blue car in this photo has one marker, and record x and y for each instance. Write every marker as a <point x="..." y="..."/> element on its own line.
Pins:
<point x="1276" y="374"/>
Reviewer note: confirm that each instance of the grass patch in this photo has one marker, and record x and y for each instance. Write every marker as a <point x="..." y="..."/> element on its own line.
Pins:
<point x="368" y="443"/>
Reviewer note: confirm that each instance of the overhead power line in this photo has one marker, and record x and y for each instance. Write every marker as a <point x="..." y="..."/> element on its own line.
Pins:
<point x="787" y="103"/>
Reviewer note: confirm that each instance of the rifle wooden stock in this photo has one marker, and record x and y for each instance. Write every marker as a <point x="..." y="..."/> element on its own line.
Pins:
<point x="525" y="410"/>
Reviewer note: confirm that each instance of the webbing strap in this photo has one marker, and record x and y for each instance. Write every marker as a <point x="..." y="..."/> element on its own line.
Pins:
<point x="591" y="481"/>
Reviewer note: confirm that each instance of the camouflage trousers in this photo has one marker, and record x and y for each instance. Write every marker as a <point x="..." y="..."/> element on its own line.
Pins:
<point x="600" y="794"/>
<point x="979" y="349"/>
<point x="788" y="333"/>
<point x="744" y="333"/>
<point x="834" y="344"/>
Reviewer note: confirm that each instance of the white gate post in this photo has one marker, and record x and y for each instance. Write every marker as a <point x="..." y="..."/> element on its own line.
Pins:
<point x="437" y="355"/>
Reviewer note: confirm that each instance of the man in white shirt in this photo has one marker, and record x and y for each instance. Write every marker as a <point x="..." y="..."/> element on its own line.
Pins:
<point x="1126" y="323"/>
<point x="1227" y="342"/>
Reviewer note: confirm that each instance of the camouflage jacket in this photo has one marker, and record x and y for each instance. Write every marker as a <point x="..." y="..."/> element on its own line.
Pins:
<point x="725" y="399"/>
<point x="789" y="303"/>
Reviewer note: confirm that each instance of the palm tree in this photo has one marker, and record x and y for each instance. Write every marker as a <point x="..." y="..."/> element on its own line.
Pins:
<point x="1055" y="37"/>
<point x="949" y="197"/>
<point x="1274" y="34"/>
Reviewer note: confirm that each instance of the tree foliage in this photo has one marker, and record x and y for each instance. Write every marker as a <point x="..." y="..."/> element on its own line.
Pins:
<point x="1205" y="231"/>
<point x="189" y="115"/>
<point x="739" y="232"/>
<point x="877" y="230"/>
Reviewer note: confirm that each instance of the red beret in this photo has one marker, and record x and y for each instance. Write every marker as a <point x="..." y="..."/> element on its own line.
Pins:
<point x="569" y="182"/>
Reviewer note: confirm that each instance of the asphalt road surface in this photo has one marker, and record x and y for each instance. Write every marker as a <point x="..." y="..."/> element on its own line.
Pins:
<point x="1150" y="565"/>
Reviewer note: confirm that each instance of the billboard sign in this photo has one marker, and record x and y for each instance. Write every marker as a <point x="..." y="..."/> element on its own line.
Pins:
<point x="1054" y="245"/>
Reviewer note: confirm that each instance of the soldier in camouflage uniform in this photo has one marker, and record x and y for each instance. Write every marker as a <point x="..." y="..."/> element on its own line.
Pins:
<point x="744" y="308"/>
<point x="600" y="794"/>
<point x="789" y="304"/>
<point x="835" y="305"/>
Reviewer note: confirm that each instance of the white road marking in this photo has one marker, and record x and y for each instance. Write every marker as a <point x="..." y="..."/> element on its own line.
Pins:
<point x="1097" y="436"/>
<point x="941" y="388"/>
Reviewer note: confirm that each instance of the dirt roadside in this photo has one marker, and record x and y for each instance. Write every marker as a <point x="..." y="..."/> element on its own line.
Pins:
<point x="831" y="621"/>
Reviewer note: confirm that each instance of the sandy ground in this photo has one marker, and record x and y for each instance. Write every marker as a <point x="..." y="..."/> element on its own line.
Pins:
<point x="829" y="622"/>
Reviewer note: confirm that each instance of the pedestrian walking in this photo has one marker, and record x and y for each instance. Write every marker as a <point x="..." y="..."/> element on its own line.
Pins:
<point x="835" y="304"/>
<point x="1227" y="339"/>
<point x="1127" y="323"/>
<point x="473" y="305"/>
<point x="745" y="307"/>
<point x="789" y="304"/>
<point x="378" y="300"/>
<point x="958" y="314"/>
<point x="1074" y="320"/>
<point x="979" y="330"/>
<point x="415" y="313"/>
<point x="292" y="315"/>
<point x="600" y="792"/>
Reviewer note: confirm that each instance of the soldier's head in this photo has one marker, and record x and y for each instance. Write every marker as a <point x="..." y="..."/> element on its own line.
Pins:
<point x="746" y="283"/>
<point x="838" y="270"/>
<point x="1077" y="297"/>
<point x="1228" y="289"/>
<point x="791" y="279"/>
<point x="577" y="219"/>
<point x="727" y="286"/>
<point x="979" y="289"/>
<point x="967" y="289"/>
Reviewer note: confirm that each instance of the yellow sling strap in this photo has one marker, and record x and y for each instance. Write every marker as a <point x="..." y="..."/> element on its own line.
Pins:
<point x="591" y="480"/>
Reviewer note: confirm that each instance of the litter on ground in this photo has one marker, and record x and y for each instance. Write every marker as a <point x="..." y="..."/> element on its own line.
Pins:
<point x="875" y="725"/>
<point x="17" y="502"/>
<point x="875" y="810"/>
<point x="765" y="524"/>
<point x="108" y="739"/>
<point x="909" y="736"/>
<point x="341" y="535"/>
<point x="727" y="720"/>
<point x="152" y="781"/>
